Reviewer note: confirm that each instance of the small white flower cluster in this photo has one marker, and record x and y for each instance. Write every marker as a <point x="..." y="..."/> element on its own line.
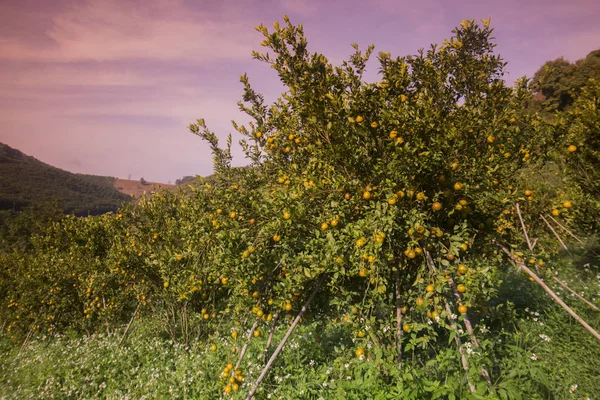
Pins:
<point x="469" y="348"/>
<point x="533" y="357"/>
<point x="544" y="337"/>
<point x="484" y="329"/>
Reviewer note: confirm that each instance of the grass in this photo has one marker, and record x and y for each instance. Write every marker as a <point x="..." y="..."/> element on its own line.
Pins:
<point x="532" y="348"/>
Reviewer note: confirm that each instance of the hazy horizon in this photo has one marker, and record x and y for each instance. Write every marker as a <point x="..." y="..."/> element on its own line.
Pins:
<point x="109" y="87"/>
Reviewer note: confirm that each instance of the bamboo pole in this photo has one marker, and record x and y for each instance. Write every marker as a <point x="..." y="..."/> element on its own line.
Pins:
<point x="461" y="350"/>
<point x="267" y="367"/>
<point x="565" y="229"/>
<point x="561" y="283"/>
<point x="469" y="328"/>
<point x="25" y="342"/>
<point x="271" y="332"/>
<point x="245" y="347"/>
<point x="398" y="321"/>
<point x="523" y="225"/>
<point x="466" y="320"/>
<point x="522" y="266"/>
<point x="129" y="324"/>
<point x="564" y="246"/>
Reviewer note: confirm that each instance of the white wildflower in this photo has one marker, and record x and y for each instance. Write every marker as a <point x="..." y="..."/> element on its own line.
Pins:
<point x="544" y="337"/>
<point x="573" y="388"/>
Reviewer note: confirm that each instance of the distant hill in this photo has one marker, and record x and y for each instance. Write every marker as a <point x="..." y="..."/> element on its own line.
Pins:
<point x="137" y="188"/>
<point x="24" y="180"/>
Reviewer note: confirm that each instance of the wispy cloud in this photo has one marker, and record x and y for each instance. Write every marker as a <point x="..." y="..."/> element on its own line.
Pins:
<point x="118" y="30"/>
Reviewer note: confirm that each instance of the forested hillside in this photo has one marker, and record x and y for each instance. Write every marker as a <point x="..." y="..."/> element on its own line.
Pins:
<point x="26" y="181"/>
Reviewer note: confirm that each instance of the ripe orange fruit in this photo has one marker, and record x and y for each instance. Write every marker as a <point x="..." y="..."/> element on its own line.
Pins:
<point x="288" y="307"/>
<point x="234" y="334"/>
<point x="462" y="269"/>
<point x="454" y="165"/>
<point x="410" y="253"/>
<point x="359" y="119"/>
<point x="393" y="134"/>
<point x="360" y="352"/>
<point x="361" y="334"/>
<point x="419" y="301"/>
<point x="461" y="288"/>
<point x="252" y="221"/>
<point x="567" y="204"/>
<point x="224" y="280"/>
<point x="528" y="193"/>
<point x="213" y="347"/>
<point x="450" y="257"/>
<point x="429" y="288"/>
<point x="235" y="387"/>
<point x="436" y="206"/>
<point x="227" y="389"/>
<point x="287" y="215"/>
<point x="232" y="214"/>
<point x="458" y="186"/>
<point x="276" y="238"/>
<point x="324" y="226"/>
<point x="462" y="309"/>
<point x="572" y="148"/>
<point x="406" y="328"/>
<point x="420" y="196"/>
<point x="464" y="247"/>
<point x="363" y="273"/>
<point x="361" y="242"/>
<point x="392" y="200"/>
<point x="366" y="195"/>
<point x="555" y="212"/>
<point x="491" y="139"/>
<point x="373" y="124"/>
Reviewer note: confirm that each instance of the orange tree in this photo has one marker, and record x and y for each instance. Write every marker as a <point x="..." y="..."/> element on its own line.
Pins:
<point x="392" y="190"/>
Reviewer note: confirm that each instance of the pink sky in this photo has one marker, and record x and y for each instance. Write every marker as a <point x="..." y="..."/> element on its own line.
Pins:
<point x="108" y="87"/>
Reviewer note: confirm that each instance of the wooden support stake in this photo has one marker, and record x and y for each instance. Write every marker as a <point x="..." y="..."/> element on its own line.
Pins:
<point x="523" y="225"/>
<point x="565" y="229"/>
<point x="398" y="321"/>
<point x="556" y="234"/>
<point x="245" y="347"/>
<point x="271" y="332"/>
<point x="522" y="266"/>
<point x="467" y="322"/>
<point x="25" y="342"/>
<point x="461" y="350"/>
<point x="129" y="324"/>
<point x="267" y="367"/>
<point x="561" y="283"/>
